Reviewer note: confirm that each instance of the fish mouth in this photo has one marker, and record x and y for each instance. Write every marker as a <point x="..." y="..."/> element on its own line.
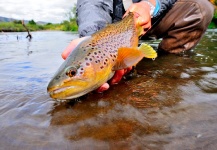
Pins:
<point x="58" y="90"/>
<point x="57" y="93"/>
<point x="68" y="91"/>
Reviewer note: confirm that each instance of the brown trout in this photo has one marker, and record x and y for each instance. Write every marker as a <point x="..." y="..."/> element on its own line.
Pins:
<point x="94" y="61"/>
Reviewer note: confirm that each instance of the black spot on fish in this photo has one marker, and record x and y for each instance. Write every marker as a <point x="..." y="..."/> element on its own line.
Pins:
<point x="87" y="64"/>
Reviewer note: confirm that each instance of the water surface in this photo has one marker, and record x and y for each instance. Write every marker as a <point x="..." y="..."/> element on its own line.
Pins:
<point x="169" y="103"/>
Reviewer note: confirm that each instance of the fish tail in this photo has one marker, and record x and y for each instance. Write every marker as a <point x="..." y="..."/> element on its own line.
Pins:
<point x="148" y="51"/>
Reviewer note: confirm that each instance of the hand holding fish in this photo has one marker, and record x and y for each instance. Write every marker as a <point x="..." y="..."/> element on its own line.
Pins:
<point x="98" y="58"/>
<point x="142" y="15"/>
<point x="118" y="74"/>
<point x="70" y="47"/>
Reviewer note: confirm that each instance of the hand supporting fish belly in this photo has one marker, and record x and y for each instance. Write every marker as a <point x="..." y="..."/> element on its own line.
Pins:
<point x="97" y="57"/>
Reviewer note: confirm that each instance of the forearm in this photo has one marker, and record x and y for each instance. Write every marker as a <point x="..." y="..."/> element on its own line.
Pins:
<point x="92" y="15"/>
<point x="163" y="7"/>
<point x="160" y="6"/>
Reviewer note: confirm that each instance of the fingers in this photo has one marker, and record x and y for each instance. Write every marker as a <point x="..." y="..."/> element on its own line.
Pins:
<point x="119" y="74"/>
<point x="128" y="70"/>
<point x="142" y="15"/>
<point x="117" y="77"/>
<point x="70" y="47"/>
<point x="102" y="88"/>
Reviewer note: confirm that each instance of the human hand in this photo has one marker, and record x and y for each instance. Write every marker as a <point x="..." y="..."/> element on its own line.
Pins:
<point x="115" y="79"/>
<point x="141" y="12"/>
<point x="71" y="46"/>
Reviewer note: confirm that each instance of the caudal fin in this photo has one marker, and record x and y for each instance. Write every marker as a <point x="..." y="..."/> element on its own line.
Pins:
<point x="148" y="51"/>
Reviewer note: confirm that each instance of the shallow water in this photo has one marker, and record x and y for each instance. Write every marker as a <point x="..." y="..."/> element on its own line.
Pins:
<point x="169" y="103"/>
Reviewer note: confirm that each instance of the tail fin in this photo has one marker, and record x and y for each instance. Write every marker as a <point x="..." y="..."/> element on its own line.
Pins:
<point x="148" y="51"/>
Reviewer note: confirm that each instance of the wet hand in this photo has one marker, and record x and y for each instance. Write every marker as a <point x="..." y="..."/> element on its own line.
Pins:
<point x="71" y="46"/>
<point x="115" y="79"/>
<point x="141" y="12"/>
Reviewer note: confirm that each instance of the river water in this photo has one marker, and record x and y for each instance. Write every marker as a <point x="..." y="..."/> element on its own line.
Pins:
<point x="168" y="103"/>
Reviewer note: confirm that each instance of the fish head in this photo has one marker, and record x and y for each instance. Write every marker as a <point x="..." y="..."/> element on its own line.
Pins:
<point x="71" y="82"/>
<point x="82" y="72"/>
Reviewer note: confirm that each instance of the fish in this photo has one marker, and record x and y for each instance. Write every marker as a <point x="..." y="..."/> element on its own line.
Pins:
<point x="95" y="59"/>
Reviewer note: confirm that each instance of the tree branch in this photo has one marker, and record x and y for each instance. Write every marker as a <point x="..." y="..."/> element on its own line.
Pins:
<point x="29" y="35"/>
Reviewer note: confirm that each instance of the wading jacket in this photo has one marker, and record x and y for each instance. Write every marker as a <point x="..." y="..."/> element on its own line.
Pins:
<point x="93" y="15"/>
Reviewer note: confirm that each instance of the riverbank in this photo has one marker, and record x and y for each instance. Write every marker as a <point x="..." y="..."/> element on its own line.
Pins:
<point x="18" y="27"/>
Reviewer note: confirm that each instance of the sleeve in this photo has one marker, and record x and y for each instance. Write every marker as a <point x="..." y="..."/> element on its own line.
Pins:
<point x="92" y="15"/>
<point x="162" y="6"/>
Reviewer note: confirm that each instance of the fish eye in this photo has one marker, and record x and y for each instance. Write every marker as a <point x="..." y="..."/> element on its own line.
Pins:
<point x="71" y="71"/>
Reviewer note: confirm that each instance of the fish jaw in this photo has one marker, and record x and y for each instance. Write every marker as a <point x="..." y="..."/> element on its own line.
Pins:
<point x="65" y="87"/>
<point x="68" y="92"/>
<point x="69" y="88"/>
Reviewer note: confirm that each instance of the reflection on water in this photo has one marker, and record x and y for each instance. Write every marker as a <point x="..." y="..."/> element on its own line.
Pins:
<point x="169" y="103"/>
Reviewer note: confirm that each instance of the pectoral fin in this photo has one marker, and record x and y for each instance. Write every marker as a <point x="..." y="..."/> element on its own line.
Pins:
<point x="128" y="57"/>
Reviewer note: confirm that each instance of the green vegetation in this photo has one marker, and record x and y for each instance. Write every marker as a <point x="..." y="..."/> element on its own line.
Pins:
<point x="213" y="24"/>
<point x="16" y="26"/>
